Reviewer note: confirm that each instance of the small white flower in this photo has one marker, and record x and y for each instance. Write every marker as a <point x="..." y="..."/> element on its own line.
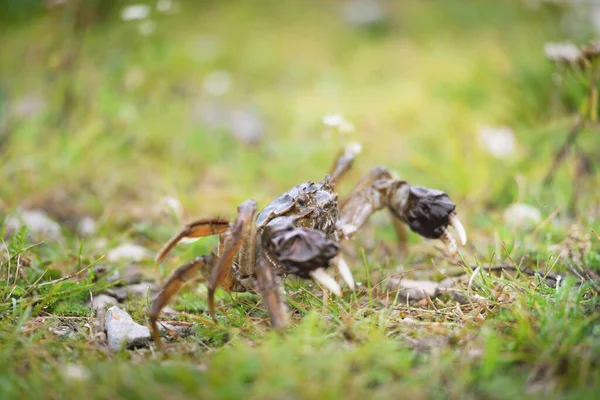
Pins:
<point x="217" y="83"/>
<point x="135" y="12"/>
<point x="499" y="142"/>
<point x="337" y="123"/>
<point x="562" y="51"/>
<point x="333" y="120"/>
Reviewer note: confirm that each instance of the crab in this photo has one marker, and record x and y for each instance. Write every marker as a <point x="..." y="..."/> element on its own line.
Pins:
<point x="299" y="234"/>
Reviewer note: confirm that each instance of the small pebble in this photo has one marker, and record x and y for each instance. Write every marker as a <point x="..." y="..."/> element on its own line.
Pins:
<point x="37" y="223"/>
<point x="412" y="289"/>
<point x="128" y="251"/>
<point x="123" y="332"/>
<point x="86" y="227"/>
<point x="102" y="302"/>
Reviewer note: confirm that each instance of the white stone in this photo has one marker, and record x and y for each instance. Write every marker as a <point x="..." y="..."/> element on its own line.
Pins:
<point x="128" y="251"/>
<point x="123" y="332"/>
<point x="37" y="222"/>
<point x="86" y="226"/>
<point x="103" y="301"/>
<point x="413" y="289"/>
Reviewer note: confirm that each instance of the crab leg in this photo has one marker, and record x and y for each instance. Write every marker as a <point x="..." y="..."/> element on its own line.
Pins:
<point x="344" y="161"/>
<point x="235" y="238"/>
<point x="270" y="289"/>
<point x="181" y="275"/>
<point x="197" y="229"/>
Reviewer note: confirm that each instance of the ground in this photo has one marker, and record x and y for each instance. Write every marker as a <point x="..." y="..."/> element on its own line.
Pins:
<point x="138" y="127"/>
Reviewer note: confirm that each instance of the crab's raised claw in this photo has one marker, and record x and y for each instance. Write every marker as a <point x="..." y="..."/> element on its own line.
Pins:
<point x="426" y="211"/>
<point x="197" y="229"/>
<point x="304" y="252"/>
<point x="429" y="212"/>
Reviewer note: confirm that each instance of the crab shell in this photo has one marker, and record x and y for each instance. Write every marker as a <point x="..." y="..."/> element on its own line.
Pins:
<point x="309" y="204"/>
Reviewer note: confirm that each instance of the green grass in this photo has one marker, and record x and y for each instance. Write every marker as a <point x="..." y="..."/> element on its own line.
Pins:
<point x="120" y="130"/>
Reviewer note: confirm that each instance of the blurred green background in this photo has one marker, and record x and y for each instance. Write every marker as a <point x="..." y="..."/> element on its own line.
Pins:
<point x="214" y="102"/>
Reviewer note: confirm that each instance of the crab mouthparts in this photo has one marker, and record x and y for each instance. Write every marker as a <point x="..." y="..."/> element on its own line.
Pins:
<point x="447" y="238"/>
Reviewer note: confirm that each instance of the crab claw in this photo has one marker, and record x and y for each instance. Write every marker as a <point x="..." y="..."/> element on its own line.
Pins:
<point x="344" y="270"/>
<point x="326" y="280"/>
<point x="458" y="227"/>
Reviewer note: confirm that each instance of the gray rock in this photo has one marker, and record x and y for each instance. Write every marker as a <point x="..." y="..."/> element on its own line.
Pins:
<point x="412" y="289"/>
<point x="121" y="293"/>
<point x="130" y="275"/>
<point x="123" y="332"/>
<point x="142" y="289"/>
<point x="102" y="302"/>
<point x="37" y="223"/>
<point x="118" y="292"/>
<point x="86" y="227"/>
<point x="128" y="251"/>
